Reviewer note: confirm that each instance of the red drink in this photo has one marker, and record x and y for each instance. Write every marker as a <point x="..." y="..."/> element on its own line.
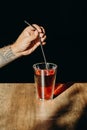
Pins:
<point x="45" y="80"/>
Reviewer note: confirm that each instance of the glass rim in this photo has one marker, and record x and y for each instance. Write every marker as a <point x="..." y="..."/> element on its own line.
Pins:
<point x="43" y="63"/>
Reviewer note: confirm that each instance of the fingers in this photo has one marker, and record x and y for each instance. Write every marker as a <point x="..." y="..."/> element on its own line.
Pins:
<point x="43" y="43"/>
<point x="29" y="51"/>
<point x="34" y="27"/>
<point x="43" y="38"/>
<point x="40" y="29"/>
<point x="33" y="34"/>
<point x="37" y="27"/>
<point x="43" y="30"/>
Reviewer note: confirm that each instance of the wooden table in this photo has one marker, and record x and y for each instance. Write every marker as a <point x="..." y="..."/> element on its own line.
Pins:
<point x="21" y="110"/>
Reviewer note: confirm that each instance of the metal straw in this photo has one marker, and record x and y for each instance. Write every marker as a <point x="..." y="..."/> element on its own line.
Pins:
<point x="40" y="44"/>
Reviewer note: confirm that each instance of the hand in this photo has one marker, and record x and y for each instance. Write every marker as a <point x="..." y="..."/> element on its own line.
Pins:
<point x="29" y="40"/>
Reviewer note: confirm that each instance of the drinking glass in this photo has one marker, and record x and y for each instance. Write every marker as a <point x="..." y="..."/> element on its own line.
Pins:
<point x="45" y="77"/>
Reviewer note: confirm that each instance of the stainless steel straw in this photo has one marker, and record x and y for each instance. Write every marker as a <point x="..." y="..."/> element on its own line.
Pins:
<point x="40" y="45"/>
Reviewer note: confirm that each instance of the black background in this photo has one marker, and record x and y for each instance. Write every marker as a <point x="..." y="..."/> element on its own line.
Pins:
<point x="65" y="23"/>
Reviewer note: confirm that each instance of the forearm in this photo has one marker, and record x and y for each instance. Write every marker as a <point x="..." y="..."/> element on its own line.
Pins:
<point x="6" y="55"/>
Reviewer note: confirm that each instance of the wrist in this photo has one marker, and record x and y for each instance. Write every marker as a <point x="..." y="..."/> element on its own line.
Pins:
<point x="15" y="51"/>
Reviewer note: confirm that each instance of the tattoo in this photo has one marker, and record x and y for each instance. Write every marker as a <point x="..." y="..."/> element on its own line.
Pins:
<point x="6" y="55"/>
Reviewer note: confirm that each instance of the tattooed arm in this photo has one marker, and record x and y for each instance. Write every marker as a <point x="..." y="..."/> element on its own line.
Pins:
<point x="25" y="44"/>
<point x="6" y="55"/>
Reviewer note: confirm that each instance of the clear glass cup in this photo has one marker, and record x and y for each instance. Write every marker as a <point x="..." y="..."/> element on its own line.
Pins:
<point x="45" y="79"/>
